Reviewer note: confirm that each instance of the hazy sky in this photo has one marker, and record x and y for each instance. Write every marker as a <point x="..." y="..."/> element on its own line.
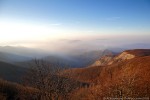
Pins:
<point x="77" y="22"/>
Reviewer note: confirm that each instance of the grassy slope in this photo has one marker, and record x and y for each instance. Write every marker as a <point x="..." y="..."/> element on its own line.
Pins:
<point x="130" y="75"/>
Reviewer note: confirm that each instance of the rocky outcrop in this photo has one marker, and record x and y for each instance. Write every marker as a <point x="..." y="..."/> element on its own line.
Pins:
<point x="124" y="56"/>
<point x="105" y="60"/>
<point x="108" y="60"/>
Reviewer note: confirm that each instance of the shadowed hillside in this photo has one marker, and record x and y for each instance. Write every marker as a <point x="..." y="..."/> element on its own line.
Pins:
<point x="13" y="91"/>
<point x="11" y="72"/>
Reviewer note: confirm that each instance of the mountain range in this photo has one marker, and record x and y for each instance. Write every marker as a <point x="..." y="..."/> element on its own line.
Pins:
<point x="106" y="73"/>
<point x="13" y="58"/>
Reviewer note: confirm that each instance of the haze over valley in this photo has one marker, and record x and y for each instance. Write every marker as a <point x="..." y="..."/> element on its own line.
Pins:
<point x="74" y="49"/>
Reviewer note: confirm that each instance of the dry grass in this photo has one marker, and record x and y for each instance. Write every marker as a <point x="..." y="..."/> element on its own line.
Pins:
<point x="129" y="78"/>
<point x="13" y="91"/>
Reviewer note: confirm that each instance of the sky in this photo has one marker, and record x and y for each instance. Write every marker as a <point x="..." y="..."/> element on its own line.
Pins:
<point x="74" y="23"/>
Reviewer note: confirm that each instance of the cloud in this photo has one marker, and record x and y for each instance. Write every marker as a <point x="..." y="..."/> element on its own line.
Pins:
<point x="70" y="41"/>
<point x="101" y="39"/>
<point x="112" y="18"/>
<point x="74" y="41"/>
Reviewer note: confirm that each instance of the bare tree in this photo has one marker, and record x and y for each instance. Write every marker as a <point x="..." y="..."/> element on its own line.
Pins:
<point x="49" y="80"/>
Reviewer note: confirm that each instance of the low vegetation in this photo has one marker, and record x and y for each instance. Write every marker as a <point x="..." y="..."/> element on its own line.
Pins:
<point x="124" y="79"/>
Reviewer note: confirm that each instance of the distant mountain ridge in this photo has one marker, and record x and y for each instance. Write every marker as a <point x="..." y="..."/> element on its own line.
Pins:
<point x="23" y="51"/>
<point x="22" y="55"/>
<point x="10" y="58"/>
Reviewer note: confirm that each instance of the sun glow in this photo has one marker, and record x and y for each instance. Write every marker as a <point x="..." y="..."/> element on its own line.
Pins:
<point x="12" y="31"/>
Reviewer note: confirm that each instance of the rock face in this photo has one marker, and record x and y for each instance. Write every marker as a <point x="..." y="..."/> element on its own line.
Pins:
<point x="124" y="56"/>
<point x="109" y="59"/>
<point x="105" y="60"/>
